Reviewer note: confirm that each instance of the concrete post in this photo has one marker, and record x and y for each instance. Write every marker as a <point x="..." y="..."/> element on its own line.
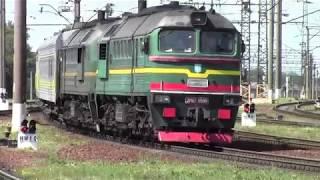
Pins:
<point x="270" y="50"/>
<point x="19" y="68"/>
<point x="278" y="41"/>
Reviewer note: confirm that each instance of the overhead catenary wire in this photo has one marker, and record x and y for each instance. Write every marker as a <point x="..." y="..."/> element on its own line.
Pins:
<point x="318" y="10"/>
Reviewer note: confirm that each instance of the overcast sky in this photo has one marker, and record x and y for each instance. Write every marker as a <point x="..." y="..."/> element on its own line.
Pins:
<point x="291" y="32"/>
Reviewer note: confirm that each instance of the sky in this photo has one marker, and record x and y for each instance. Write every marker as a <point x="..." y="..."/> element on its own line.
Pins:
<point x="291" y="32"/>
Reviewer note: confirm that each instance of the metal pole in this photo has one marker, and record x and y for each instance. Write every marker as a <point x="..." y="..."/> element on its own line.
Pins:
<point x="278" y="32"/>
<point x="259" y="46"/>
<point x="19" y="68"/>
<point x="307" y="65"/>
<point x="245" y="27"/>
<point x="292" y="86"/>
<point x="270" y="50"/>
<point x="313" y="81"/>
<point x="303" y="47"/>
<point x="77" y="14"/>
<point x="31" y="85"/>
<point x="142" y="4"/>
<point x="317" y="74"/>
<point x="3" y="91"/>
<point x="310" y="74"/>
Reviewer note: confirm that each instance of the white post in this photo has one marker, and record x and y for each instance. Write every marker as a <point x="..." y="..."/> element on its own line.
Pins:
<point x="287" y="86"/>
<point x="277" y="93"/>
<point x="249" y="93"/>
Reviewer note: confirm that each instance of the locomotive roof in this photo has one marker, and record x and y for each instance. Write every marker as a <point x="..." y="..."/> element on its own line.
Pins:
<point x="154" y="18"/>
<point x="177" y="16"/>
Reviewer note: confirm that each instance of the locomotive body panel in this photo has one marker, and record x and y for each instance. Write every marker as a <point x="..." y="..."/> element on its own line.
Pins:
<point x="46" y="76"/>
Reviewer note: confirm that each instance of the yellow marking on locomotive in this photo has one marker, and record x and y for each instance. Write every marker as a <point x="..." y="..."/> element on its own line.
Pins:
<point x="73" y="74"/>
<point x="160" y="71"/>
<point x="174" y="71"/>
<point x="45" y="84"/>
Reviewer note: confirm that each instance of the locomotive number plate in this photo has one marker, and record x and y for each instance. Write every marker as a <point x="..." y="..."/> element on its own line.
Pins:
<point x="196" y="100"/>
<point x="201" y="83"/>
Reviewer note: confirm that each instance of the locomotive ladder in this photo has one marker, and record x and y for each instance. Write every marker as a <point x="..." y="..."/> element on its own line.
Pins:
<point x="93" y="106"/>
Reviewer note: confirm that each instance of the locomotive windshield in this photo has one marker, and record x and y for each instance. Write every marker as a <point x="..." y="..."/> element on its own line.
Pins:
<point x="179" y="41"/>
<point x="217" y="42"/>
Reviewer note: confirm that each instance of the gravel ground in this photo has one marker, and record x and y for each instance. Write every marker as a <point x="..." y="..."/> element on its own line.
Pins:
<point x="109" y="152"/>
<point x="13" y="158"/>
<point x="100" y="151"/>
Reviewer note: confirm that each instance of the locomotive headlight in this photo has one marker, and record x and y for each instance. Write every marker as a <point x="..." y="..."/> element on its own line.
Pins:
<point x="231" y="100"/>
<point x="163" y="99"/>
<point x="199" y="18"/>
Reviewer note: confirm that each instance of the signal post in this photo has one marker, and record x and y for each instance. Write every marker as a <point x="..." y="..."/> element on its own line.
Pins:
<point x="4" y="103"/>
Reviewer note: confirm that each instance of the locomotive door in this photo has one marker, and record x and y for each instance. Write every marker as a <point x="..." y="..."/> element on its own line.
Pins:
<point x="62" y="69"/>
<point x="139" y="61"/>
<point x="135" y="64"/>
<point x="58" y="71"/>
<point x="104" y="58"/>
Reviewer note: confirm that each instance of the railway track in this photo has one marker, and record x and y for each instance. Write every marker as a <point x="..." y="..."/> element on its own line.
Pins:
<point x="286" y="123"/>
<point x="295" y="109"/>
<point x="5" y="112"/>
<point x="214" y="153"/>
<point x="6" y="176"/>
<point x="29" y="109"/>
<point x="242" y="156"/>
<point x="276" y="140"/>
<point x="251" y="157"/>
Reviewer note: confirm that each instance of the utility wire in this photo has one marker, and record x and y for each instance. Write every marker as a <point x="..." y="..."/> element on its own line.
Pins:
<point x="274" y="5"/>
<point x="301" y="16"/>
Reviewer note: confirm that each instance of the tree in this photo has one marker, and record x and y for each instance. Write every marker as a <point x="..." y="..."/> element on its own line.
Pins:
<point x="9" y="48"/>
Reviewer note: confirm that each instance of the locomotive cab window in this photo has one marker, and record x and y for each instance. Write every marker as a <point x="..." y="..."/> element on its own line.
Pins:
<point x="102" y="51"/>
<point x="80" y="55"/>
<point x="177" y="41"/>
<point x="217" y="42"/>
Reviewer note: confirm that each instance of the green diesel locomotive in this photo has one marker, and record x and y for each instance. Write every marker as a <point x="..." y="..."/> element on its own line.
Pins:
<point x="170" y="72"/>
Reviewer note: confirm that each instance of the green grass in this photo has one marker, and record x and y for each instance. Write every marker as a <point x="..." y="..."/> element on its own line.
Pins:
<point x="285" y="100"/>
<point x="52" y="139"/>
<point x="310" y="133"/>
<point x="157" y="170"/>
<point x="3" y="127"/>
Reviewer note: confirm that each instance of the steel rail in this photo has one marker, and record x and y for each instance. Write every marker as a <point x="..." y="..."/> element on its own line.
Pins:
<point x="6" y="176"/>
<point x="289" y="123"/>
<point x="297" y="111"/>
<point x="307" y="113"/>
<point x="284" y="122"/>
<point x="252" y="157"/>
<point x="276" y="140"/>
